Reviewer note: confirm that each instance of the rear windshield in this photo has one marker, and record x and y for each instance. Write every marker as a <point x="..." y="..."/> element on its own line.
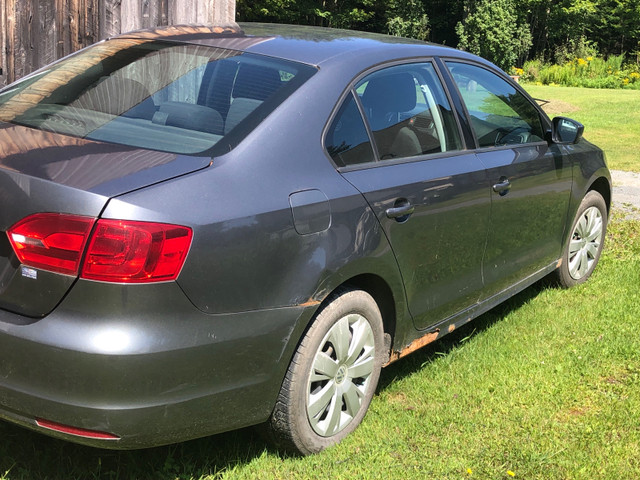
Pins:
<point x="158" y="95"/>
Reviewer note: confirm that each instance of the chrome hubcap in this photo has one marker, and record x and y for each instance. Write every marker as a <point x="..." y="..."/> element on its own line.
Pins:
<point x="585" y="243"/>
<point x="340" y="375"/>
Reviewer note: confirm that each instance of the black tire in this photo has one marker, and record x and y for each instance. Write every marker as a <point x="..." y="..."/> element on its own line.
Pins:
<point x="584" y="244"/>
<point x="302" y="420"/>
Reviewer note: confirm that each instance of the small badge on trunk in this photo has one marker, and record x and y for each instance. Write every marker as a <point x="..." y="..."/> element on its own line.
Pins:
<point x="29" y="272"/>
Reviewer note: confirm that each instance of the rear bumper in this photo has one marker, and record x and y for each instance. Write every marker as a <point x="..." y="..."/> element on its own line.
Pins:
<point x="142" y="363"/>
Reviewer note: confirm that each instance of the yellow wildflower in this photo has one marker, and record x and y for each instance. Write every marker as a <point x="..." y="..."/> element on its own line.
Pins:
<point x="469" y="472"/>
<point x="510" y="473"/>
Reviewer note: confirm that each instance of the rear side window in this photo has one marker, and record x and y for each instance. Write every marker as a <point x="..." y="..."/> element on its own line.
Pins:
<point x="408" y="111"/>
<point x="347" y="139"/>
<point x="167" y="96"/>
<point x="500" y="115"/>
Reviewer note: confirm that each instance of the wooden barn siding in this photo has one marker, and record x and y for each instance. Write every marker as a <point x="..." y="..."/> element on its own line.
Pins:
<point x="34" y="33"/>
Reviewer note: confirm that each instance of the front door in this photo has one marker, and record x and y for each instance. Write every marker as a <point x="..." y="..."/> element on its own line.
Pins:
<point x="529" y="180"/>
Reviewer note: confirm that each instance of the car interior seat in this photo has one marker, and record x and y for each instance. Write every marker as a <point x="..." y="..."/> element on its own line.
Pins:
<point x="385" y="99"/>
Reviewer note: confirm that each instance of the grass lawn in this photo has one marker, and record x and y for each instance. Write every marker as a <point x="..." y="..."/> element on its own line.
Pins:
<point x="546" y="386"/>
<point x="611" y="119"/>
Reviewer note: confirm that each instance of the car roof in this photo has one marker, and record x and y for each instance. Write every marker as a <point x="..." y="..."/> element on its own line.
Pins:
<point x="306" y="44"/>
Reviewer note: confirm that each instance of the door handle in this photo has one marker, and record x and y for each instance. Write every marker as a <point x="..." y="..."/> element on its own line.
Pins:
<point x="502" y="187"/>
<point x="400" y="212"/>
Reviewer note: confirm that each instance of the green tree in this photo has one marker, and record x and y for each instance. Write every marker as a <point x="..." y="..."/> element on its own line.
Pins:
<point x="354" y="14"/>
<point x="617" y="26"/>
<point x="443" y="16"/>
<point x="492" y="29"/>
<point x="408" y="19"/>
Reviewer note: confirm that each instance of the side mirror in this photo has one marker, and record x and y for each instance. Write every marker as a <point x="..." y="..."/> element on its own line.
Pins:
<point x="565" y="131"/>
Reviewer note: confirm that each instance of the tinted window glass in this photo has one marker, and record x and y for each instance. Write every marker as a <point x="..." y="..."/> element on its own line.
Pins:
<point x="159" y="95"/>
<point x="500" y="115"/>
<point x="408" y="111"/>
<point x="347" y="140"/>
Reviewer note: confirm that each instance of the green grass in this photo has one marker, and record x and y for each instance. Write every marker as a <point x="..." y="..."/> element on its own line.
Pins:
<point x="546" y="386"/>
<point x="611" y="119"/>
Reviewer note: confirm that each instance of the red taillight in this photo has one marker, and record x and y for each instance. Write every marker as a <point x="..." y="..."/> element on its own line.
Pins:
<point x="51" y="241"/>
<point x="135" y="252"/>
<point x="117" y="251"/>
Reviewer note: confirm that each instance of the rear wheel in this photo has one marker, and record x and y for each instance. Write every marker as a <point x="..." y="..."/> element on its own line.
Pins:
<point x="584" y="245"/>
<point x="332" y="377"/>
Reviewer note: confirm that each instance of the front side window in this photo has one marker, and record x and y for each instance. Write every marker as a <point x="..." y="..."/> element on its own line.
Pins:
<point x="408" y="111"/>
<point x="500" y="115"/>
<point x="159" y="95"/>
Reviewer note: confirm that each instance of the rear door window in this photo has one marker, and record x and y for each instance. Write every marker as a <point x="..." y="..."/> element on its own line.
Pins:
<point x="407" y="115"/>
<point x="408" y="112"/>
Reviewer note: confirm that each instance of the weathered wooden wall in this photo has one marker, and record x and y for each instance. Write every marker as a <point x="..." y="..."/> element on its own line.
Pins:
<point x="34" y="33"/>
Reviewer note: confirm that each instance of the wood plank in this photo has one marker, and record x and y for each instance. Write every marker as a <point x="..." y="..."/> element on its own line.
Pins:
<point x="20" y="39"/>
<point x="109" y="15"/>
<point x="10" y="16"/>
<point x="131" y="15"/>
<point x="63" y="41"/>
<point x="3" y="44"/>
<point x="183" y="12"/>
<point x="146" y="12"/>
<point x="46" y="36"/>
<point x="93" y="20"/>
<point x="163" y="6"/>
<point x="224" y="12"/>
<point x="74" y="24"/>
<point x="157" y="13"/>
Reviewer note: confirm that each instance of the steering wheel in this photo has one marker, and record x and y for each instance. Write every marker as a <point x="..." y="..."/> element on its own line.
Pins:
<point x="520" y="134"/>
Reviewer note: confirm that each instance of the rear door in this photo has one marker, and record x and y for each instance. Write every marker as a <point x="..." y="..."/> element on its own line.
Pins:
<point x="529" y="180"/>
<point x="427" y="192"/>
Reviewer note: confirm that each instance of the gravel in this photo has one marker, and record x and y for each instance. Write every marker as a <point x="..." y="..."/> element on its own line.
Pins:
<point x="626" y="193"/>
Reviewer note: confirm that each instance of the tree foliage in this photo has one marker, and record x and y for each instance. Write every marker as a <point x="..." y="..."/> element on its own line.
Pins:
<point x="408" y="19"/>
<point x="491" y="29"/>
<point x="508" y="32"/>
<point x="353" y="14"/>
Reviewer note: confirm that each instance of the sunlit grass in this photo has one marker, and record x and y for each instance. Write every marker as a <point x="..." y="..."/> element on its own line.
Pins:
<point x="611" y="119"/>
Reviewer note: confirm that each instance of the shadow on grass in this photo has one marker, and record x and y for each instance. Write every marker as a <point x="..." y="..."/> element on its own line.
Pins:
<point x="417" y="360"/>
<point x="29" y="455"/>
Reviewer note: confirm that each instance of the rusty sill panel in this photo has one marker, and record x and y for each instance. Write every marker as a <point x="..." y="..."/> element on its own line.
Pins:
<point x="425" y="340"/>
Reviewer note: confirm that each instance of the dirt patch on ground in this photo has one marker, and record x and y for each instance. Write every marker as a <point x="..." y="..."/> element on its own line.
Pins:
<point x="626" y="193"/>
<point x="554" y="108"/>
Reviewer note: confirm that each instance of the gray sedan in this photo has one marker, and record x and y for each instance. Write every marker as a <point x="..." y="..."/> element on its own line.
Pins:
<point x="210" y="228"/>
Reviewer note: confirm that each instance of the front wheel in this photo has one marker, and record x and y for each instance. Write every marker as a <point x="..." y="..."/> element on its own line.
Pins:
<point x="584" y="245"/>
<point x="332" y="377"/>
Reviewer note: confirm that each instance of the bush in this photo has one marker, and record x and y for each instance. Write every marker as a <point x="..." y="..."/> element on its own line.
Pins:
<point x="590" y="72"/>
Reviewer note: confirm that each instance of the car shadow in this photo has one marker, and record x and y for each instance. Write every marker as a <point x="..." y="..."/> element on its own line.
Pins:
<point x="29" y="455"/>
<point x="418" y="359"/>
